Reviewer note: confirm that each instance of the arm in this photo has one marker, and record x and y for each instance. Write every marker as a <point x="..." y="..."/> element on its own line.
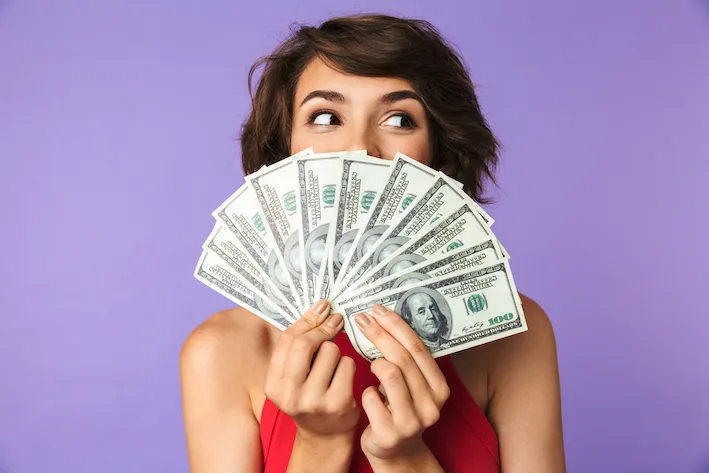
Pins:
<point x="221" y="430"/>
<point x="217" y="363"/>
<point x="321" y="455"/>
<point x="525" y="398"/>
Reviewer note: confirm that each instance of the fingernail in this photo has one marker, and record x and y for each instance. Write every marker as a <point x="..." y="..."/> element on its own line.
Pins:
<point x="334" y="320"/>
<point x="379" y="309"/>
<point x="363" y="320"/>
<point x="320" y="307"/>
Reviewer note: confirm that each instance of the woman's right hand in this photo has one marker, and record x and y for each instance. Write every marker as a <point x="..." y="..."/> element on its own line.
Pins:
<point x="316" y="393"/>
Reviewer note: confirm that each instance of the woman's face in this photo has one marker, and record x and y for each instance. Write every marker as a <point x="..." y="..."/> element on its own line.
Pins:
<point x="333" y="111"/>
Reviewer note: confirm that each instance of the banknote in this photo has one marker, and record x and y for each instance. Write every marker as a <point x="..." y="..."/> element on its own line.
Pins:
<point x="241" y="214"/>
<point x="276" y="189"/>
<point x="450" y="313"/>
<point x="464" y="227"/>
<point x="441" y="199"/>
<point x="223" y="242"/>
<point x="461" y="259"/>
<point x="360" y="181"/>
<point x="407" y="180"/>
<point x="318" y="186"/>
<point x="216" y="274"/>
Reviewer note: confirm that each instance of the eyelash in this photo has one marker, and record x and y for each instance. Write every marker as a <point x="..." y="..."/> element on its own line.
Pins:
<point x="315" y="114"/>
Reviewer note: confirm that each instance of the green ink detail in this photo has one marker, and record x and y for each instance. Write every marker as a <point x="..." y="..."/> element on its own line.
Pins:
<point x="407" y="200"/>
<point x="328" y="195"/>
<point x="501" y="318"/>
<point x="435" y="218"/>
<point x="367" y="199"/>
<point x="258" y="223"/>
<point x="454" y="244"/>
<point x="476" y="303"/>
<point x="289" y="201"/>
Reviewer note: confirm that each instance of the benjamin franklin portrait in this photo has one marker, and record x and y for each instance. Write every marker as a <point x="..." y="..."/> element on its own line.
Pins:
<point x="428" y="314"/>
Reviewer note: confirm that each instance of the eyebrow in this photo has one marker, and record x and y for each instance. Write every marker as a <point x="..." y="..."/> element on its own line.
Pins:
<point x="387" y="99"/>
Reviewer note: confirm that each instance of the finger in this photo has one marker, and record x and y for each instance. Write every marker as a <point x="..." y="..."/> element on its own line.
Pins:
<point x="400" y="402"/>
<point x="312" y="318"/>
<point x="393" y="351"/>
<point x="342" y="385"/>
<point x="321" y="373"/>
<point x="379" y="416"/>
<point x="411" y="341"/>
<point x="303" y="348"/>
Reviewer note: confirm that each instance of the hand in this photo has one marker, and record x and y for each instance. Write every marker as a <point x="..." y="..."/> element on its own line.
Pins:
<point x="319" y="398"/>
<point x="413" y="385"/>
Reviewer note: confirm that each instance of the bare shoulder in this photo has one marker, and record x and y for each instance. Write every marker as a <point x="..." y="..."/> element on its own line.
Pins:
<point x="490" y="366"/>
<point x="221" y="364"/>
<point x="231" y="349"/>
<point x="525" y="396"/>
<point x="226" y="338"/>
<point x="532" y="347"/>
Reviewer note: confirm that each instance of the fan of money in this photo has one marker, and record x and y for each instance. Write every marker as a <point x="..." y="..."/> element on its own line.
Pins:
<point x="358" y="231"/>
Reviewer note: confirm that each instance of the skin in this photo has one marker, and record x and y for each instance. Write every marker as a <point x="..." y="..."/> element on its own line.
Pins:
<point x="232" y="361"/>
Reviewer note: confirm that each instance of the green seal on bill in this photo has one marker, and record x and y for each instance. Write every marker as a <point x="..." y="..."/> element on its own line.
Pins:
<point x="367" y="199"/>
<point x="289" y="201"/>
<point x="453" y="245"/>
<point x="258" y="222"/>
<point x="328" y="195"/>
<point x="476" y="303"/>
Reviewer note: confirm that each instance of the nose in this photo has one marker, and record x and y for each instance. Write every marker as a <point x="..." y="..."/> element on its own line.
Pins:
<point x="364" y="139"/>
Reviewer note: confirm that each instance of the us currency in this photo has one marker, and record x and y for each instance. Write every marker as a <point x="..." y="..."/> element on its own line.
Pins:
<point x="222" y="242"/>
<point x="463" y="228"/>
<point x="318" y="182"/>
<point x="437" y="202"/>
<point x="450" y="313"/>
<point x="216" y="274"/>
<point x="360" y="181"/>
<point x="461" y="259"/>
<point x="240" y="213"/>
<point x="275" y="189"/>
<point x="407" y="178"/>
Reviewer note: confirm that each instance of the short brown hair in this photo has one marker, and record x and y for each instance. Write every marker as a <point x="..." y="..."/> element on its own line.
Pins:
<point x="463" y="146"/>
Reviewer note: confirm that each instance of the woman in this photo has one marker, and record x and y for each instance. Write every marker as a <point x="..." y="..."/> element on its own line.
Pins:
<point x="257" y="399"/>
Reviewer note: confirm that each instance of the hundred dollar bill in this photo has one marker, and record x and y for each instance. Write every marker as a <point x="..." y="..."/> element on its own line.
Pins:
<point x="276" y="189"/>
<point x="461" y="259"/>
<point x="406" y="181"/>
<point x="222" y="242"/>
<point x="216" y="274"/>
<point x="360" y="181"/>
<point x="242" y="215"/>
<point x="462" y="228"/>
<point x="450" y="313"/>
<point x="441" y="199"/>
<point x="318" y="183"/>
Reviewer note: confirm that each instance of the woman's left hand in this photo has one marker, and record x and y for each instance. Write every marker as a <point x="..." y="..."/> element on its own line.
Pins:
<point x="413" y="385"/>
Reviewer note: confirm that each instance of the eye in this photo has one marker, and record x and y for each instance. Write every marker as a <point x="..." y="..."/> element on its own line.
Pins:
<point x="324" y="118"/>
<point x="401" y="120"/>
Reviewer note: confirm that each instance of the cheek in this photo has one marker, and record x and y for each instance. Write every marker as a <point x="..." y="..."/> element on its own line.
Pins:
<point x="320" y="142"/>
<point x="297" y="143"/>
<point x="417" y="148"/>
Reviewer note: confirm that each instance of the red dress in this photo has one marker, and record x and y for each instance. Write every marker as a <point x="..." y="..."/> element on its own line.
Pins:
<point x="462" y="440"/>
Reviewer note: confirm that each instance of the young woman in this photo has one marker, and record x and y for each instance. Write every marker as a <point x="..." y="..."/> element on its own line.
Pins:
<point x="257" y="399"/>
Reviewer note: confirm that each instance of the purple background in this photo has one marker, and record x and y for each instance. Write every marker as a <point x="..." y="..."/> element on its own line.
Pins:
<point x="117" y="127"/>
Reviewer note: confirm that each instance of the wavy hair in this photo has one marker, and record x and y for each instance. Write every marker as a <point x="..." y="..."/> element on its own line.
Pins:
<point x="463" y="146"/>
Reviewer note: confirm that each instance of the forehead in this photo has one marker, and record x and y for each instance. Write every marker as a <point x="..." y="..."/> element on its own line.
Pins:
<point x="319" y="76"/>
<point x="420" y="298"/>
